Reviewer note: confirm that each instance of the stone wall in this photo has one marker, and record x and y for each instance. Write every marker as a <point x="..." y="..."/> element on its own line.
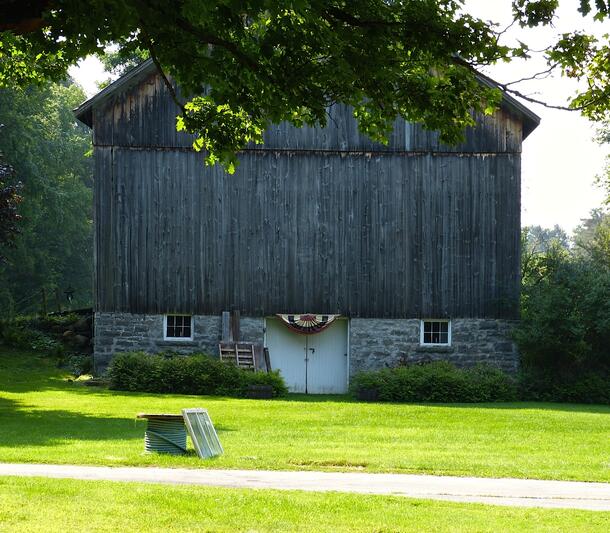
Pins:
<point x="379" y="343"/>
<point x="252" y="329"/>
<point x="374" y="343"/>
<point x="125" y="332"/>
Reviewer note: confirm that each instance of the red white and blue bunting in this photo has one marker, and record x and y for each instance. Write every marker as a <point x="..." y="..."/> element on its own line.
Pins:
<point x="307" y="324"/>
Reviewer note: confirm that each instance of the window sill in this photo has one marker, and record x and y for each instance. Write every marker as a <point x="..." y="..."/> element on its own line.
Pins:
<point x="174" y="342"/>
<point x="436" y="348"/>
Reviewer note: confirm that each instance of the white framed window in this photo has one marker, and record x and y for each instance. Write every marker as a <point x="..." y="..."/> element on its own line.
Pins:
<point x="178" y="327"/>
<point x="435" y="332"/>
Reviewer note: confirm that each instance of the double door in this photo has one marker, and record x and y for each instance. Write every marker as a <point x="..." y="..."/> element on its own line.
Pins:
<point x="312" y="364"/>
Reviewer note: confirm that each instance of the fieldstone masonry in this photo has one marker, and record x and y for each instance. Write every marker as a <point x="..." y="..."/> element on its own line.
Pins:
<point x="126" y="332"/>
<point x="374" y="343"/>
<point x="252" y="329"/>
<point x="379" y="343"/>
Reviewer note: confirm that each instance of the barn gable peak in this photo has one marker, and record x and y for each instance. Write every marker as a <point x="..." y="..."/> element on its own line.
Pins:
<point x="84" y="112"/>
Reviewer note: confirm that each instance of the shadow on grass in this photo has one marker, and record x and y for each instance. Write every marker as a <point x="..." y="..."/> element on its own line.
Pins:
<point x="543" y="406"/>
<point x="318" y="398"/>
<point x="347" y="399"/>
<point x="44" y="427"/>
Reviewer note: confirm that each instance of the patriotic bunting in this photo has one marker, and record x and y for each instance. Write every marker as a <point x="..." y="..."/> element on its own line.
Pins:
<point x="307" y="324"/>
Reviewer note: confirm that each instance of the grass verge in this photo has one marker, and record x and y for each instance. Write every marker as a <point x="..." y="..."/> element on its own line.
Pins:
<point x="34" y="504"/>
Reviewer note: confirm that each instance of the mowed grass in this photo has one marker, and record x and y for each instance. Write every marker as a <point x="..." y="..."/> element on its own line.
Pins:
<point x="45" y="418"/>
<point x="45" y="505"/>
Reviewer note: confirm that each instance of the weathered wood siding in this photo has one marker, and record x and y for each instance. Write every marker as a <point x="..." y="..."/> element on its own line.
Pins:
<point x="315" y="221"/>
<point x="380" y="236"/>
<point x="145" y="115"/>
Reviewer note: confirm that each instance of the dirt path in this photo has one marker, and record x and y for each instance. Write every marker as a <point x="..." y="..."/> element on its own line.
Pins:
<point x="512" y="492"/>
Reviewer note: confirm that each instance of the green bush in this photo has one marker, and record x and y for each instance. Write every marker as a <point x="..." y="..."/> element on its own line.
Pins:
<point x="437" y="382"/>
<point x="274" y="379"/>
<point x="443" y="382"/>
<point x="192" y="374"/>
<point x="22" y="335"/>
<point x="54" y="323"/>
<point x="79" y="364"/>
<point x="135" y="371"/>
<point x="546" y="386"/>
<point x="492" y="385"/>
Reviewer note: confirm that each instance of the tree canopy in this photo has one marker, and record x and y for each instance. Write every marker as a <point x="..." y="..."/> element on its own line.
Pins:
<point x="9" y="200"/>
<point x="250" y="63"/>
<point x="45" y="150"/>
<point x="565" y="309"/>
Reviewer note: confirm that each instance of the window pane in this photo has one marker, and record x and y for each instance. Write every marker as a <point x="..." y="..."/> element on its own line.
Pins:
<point x="435" y="332"/>
<point x="178" y="326"/>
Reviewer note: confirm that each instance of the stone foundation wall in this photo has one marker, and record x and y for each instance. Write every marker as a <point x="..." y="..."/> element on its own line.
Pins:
<point x="252" y="329"/>
<point x="374" y="343"/>
<point x="125" y="332"/>
<point x="380" y="343"/>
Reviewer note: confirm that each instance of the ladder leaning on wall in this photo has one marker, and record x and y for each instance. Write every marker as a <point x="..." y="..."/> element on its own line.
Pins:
<point x="241" y="354"/>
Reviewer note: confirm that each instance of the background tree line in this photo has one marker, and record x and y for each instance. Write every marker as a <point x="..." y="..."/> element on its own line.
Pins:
<point x="47" y="152"/>
<point x="564" y="334"/>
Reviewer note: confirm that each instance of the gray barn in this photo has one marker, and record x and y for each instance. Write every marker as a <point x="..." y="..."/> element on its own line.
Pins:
<point x="405" y="252"/>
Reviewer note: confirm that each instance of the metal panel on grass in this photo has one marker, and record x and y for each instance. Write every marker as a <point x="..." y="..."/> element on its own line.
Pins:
<point x="202" y="432"/>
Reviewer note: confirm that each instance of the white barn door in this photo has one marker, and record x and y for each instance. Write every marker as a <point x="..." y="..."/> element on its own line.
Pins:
<point x="327" y="360"/>
<point x="286" y="354"/>
<point x="316" y="364"/>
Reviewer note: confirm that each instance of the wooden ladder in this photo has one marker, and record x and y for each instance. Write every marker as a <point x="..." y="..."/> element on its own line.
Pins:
<point x="238" y="353"/>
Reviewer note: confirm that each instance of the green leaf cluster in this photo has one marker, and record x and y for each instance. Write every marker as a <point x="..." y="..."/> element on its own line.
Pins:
<point x="221" y="131"/>
<point x="261" y="62"/>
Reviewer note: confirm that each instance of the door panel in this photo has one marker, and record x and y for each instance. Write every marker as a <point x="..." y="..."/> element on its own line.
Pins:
<point x="287" y="354"/>
<point x="327" y="365"/>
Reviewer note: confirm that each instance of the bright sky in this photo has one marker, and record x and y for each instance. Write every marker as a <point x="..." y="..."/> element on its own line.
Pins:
<point x="560" y="158"/>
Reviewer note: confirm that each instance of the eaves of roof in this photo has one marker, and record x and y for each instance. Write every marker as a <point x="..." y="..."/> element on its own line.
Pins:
<point x="530" y="119"/>
<point x="84" y="112"/>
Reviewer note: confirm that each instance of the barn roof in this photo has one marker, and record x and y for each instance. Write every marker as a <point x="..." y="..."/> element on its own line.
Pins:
<point x="84" y="112"/>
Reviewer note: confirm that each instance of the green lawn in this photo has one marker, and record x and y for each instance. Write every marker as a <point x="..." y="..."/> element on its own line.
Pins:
<point x="44" y="418"/>
<point x="45" y="505"/>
